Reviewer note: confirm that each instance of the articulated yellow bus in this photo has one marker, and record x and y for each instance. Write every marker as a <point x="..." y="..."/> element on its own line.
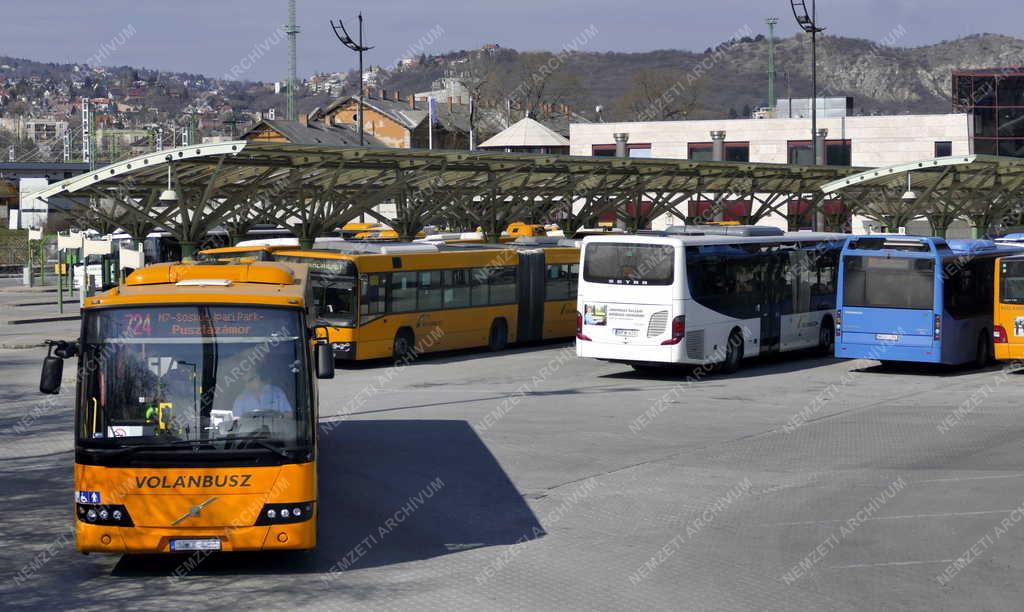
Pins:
<point x="390" y="301"/>
<point x="196" y="410"/>
<point x="1008" y="308"/>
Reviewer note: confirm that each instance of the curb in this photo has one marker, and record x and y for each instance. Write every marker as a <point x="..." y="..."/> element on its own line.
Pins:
<point x="44" y="320"/>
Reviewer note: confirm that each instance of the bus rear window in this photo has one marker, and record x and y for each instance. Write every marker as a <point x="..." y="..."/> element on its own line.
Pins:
<point x="629" y="264"/>
<point x="889" y="282"/>
<point x="1011" y="282"/>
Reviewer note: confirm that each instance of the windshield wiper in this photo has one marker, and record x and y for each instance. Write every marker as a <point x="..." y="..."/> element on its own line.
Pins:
<point x="175" y="445"/>
<point x="258" y="440"/>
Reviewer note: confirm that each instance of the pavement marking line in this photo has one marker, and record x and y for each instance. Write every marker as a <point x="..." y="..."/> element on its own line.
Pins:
<point x="889" y="563"/>
<point x="889" y="518"/>
<point x="969" y="478"/>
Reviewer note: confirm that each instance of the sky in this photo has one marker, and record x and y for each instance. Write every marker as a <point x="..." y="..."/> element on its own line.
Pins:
<point x="244" y="39"/>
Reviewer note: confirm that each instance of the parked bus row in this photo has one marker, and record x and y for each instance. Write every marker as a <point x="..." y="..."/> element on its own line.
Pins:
<point x="197" y="391"/>
<point x="719" y="295"/>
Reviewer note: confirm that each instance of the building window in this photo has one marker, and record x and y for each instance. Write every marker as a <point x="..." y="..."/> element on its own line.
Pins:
<point x="704" y="151"/>
<point x="995" y="97"/>
<point x="943" y="148"/>
<point x="639" y="149"/>
<point x="837" y="152"/>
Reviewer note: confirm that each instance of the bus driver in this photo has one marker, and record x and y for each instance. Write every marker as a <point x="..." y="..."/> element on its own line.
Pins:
<point x="260" y="395"/>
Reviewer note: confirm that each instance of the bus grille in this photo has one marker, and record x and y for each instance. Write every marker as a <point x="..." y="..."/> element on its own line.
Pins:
<point x="657" y="324"/>
<point x="695" y="344"/>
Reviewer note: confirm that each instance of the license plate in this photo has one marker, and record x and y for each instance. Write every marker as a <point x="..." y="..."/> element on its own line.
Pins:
<point x="204" y="544"/>
<point x="887" y="337"/>
<point x="627" y="333"/>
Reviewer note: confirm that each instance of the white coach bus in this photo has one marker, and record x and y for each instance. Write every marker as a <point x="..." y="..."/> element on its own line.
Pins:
<point x="712" y="295"/>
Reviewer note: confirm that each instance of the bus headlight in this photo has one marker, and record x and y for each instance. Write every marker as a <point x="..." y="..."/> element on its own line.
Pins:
<point x="277" y="514"/>
<point x="113" y="515"/>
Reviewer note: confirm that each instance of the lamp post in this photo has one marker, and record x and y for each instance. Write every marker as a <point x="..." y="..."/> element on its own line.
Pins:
<point x="807" y="20"/>
<point x="358" y="47"/>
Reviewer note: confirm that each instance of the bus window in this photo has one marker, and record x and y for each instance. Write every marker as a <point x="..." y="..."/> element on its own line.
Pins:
<point x="1011" y="281"/>
<point x="403" y="291"/>
<point x="335" y="299"/>
<point x="646" y="264"/>
<point x="967" y="289"/>
<point x="503" y="285"/>
<point x="556" y="285"/>
<point x="456" y="288"/>
<point x="373" y="293"/>
<point x="883" y="282"/>
<point x="430" y="292"/>
<point x="478" y="283"/>
<point x="574" y="280"/>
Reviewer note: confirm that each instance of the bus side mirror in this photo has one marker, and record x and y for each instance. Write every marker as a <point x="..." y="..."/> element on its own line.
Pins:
<point x="324" y="353"/>
<point x="53" y="373"/>
<point x="53" y="364"/>
<point x="324" y="361"/>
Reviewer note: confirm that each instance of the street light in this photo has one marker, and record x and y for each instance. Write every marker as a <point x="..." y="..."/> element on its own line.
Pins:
<point x="808" y="23"/>
<point x="358" y="47"/>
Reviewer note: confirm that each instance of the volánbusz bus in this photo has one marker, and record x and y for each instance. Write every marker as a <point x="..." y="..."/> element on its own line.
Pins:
<point x="390" y="300"/>
<point x="917" y="298"/>
<point x="705" y="295"/>
<point x="196" y="411"/>
<point x="1008" y="304"/>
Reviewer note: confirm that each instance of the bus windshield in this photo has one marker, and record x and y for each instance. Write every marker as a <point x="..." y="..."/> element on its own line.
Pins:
<point x="889" y="282"/>
<point x="1011" y="281"/>
<point x="220" y="377"/>
<point x="620" y="263"/>
<point x="334" y="296"/>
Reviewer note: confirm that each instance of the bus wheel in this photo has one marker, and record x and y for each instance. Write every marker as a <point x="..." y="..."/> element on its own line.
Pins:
<point x="734" y="353"/>
<point x="983" y="355"/>
<point x="403" y="346"/>
<point x="498" y="338"/>
<point x="827" y="338"/>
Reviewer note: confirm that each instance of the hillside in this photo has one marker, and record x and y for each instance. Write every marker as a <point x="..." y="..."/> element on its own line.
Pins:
<point x="881" y="78"/>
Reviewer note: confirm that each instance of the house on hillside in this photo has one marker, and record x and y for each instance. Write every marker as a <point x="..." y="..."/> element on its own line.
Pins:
<point x="308" y="133"/>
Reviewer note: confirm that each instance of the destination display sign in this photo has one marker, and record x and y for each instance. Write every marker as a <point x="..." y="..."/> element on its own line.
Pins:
<point x="190" y="322"/>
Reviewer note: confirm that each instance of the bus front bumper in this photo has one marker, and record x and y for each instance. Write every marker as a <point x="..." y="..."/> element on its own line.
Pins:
<point x="344" y="350"/>
<point x="157" y="540"/>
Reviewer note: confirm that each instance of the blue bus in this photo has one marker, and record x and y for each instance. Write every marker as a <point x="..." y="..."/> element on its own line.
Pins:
<point x="916" y="298"/>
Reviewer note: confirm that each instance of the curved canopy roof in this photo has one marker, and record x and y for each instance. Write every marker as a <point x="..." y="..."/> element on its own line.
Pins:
<point x="312" y="188"/>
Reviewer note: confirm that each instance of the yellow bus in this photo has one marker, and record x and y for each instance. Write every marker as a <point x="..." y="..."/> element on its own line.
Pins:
<point x="196" y="410"/>
<point x="391" y="301"/>
<point x="240" y="254"/>
<point x="1008" y="308"/>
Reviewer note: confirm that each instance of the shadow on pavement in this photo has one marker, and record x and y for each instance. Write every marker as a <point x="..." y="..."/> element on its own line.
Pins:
<point x="459" y="355"/>
<point x="378" y="505"/>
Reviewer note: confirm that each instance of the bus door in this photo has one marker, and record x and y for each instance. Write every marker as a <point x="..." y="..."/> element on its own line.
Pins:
<point x="530" y="289"/>
<point x="771" y="296"/>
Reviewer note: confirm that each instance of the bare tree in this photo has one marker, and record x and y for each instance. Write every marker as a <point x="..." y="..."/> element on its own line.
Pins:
<point x="660" y="94"/>
<point x="543" y="78"/>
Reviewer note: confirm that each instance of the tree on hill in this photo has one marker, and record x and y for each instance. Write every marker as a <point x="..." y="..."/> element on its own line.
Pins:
<point x="660" y="95"/>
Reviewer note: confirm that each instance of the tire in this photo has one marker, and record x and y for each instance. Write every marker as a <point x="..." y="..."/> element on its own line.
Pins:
<point x="498" y="338"/>
<point x="983" y="354"/>
<point x="733" y="354"/>
<point x="403" y="345"/>
<point x="827" y="339"/>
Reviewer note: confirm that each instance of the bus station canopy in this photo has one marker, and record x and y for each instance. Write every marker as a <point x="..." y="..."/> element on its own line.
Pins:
<point x="983" y="189"/>
<point x="312" y="189"/>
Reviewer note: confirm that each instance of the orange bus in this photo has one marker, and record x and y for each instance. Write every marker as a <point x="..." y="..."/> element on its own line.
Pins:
<point x="1008" y="308"/>
<point x="196" y="410"/>
<point x="390" y="301"/>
